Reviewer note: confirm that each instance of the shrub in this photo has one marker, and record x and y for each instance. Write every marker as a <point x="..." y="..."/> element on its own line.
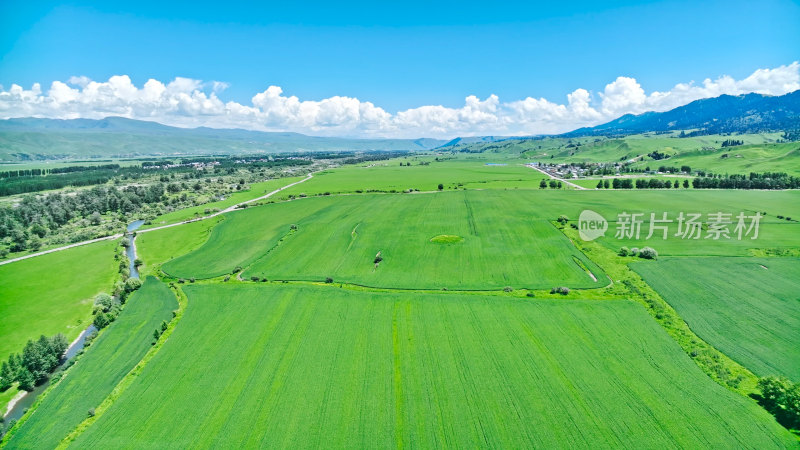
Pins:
<point x="227" y="277"/>
<point x="254" y="278"/>
<point x="563" y="290"/>
<point x="624" y="251"/>
<point x="562" y="219"/>
<point x="508" y="289"/>
<point x="634" y="251"/>
<point x="237" y="269"/>
<point x="329" y="280"/>
<point x="91" y="412"/>
<point x="378" y="259"/>
<point x="132" y="284"/>
<point x="101" y="321"/>
<point x="530" y="294"/>
<point x="648" y="253"/>
<point x="441" y="186"/>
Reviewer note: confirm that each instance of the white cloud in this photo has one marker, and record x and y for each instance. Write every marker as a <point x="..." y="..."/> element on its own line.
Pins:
<point x="188" y="102"/>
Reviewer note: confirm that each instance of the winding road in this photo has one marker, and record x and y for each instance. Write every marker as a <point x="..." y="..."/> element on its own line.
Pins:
<point x="119" y="235"/>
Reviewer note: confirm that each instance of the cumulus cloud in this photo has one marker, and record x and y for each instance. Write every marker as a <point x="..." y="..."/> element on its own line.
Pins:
<point x="188" y="102"/>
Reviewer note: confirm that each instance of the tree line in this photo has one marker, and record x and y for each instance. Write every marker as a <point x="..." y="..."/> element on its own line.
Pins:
<point x="38" y="360"/>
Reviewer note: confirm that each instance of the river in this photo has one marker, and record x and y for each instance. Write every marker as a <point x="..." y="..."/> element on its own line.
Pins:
<point x="77" y="345"/>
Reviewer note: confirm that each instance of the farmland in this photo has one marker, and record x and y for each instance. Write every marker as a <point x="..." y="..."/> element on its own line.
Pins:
<point x="98" y="371"/>
<point x="54" y="300"/>
<point x="747" y="307"/>
<point x="302" y="366"/>
<point x="343" y="238"/>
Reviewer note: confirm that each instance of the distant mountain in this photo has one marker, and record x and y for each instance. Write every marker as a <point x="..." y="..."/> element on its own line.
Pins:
<point x="750" y="113"/>
<point x="114" y="137"/>
<point x="472" y="140"/>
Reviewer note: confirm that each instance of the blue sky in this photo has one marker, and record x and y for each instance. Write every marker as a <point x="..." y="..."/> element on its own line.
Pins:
<point x="399" y="55"/>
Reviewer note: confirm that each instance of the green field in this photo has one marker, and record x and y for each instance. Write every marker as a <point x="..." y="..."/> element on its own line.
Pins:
<point x="96" y="373"/>
<point x="747" y="307"/>
<point x="53" y="293"/>
<point x="504" y="243"/>
<point x="452" y="174"/>
<point x="256" y="190"/>
<point x="158" y="246"/>
<point x="291" y="366"/>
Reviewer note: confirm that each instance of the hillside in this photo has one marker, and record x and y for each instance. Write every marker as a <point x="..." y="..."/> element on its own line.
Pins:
<point x="39" y="139"/>
<point x="751" y="113"/>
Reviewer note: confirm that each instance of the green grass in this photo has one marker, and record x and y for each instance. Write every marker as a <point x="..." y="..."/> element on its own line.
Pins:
<point x="298" y="367"/>
<point x="747" y="307"/>
<point x="115" y="352"/>
<point x="447" y="239"/>
<point x="505" y="243"/>
<point x="739" y="159"/>
<point x="156" y="247"/>
<point x="256" y="190"/>
<point x="389" y="175"/>
<point x="53" y="293"/>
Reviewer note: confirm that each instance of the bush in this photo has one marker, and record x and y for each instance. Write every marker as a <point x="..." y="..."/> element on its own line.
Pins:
<point x="563" y="290"/>
<point x="254" y="278"/>
<point x="227" y="277"/>
<point x="634" y="251"/>
<point x="101" y="320"/>
<point x="508" y="289"/>
<point x="530" y="294"/>
<point x="91" y="412"/>
<point x="781" y="398"/>
<point x="378" y="259"/>
<point x="237" y="269"/>
<point x="132" y="284"/>
<point x="648" y="253"/>
<point x="624" y="251"/>
<point x="562" y="219"/>
<point x="329" y="280"/>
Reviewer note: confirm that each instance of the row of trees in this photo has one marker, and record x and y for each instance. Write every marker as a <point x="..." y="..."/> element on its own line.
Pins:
<point x="38" y="360"/>
<point x="767" y="180"/>
<point x="554" y="184"/>
<point x="641" y="183"/>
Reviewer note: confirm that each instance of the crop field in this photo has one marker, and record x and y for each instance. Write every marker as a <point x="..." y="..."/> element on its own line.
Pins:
<point x="390" y="176"/>
<point x="373" y="240"/>
<point x="747" y="307"/>
<point x="106" y="361"/>
<point x="158" y="246"/>
<point x="291" y="366"/>
<point x="256" y="190"/>
<point x="67" y="302"/>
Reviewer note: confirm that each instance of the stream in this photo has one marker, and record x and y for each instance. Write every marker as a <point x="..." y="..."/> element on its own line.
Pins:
<point x="25" y="402"/>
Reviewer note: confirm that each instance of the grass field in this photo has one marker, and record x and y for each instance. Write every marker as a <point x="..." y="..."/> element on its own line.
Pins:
<point x="256" y="190"/>
<point x="747" y="307"/>
<point x="159" y="246"/>
<point x="504" y="244"/>
<point x="389" y="176"/>
<point x="299" y="367"/>
<point x="97" y="372"/>
<point x="53" y="293"/>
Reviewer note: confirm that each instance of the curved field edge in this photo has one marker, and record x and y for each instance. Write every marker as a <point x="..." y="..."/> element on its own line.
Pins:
<point x="317" y="241"/>
<point x="628" y="284"/>
<point x="323" y="366"/>
<point x="97" y="370"/>
<point x="130" y="377"/>
<point x="746" y="307"/>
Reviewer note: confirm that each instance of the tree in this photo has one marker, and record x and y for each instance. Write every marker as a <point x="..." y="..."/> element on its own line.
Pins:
<point x="600" y="184"/>
<point x="685" y="184"/>
<point x="648" y="253"/>
<point x="6" y="376"/>
<point x="132" y="284"/>
<point x="553" y="184"/>
<point x="101" y="321"/>
<point x="562" y="219"/>
<point x="26" y="380"/>
<point x="103" y="301"/>
<point x="441" y="186"/>
<point x="543" y="184"/>
<point x="95" y="218"/>
<point x="606" y="184"/>
<point x="559" y="184"/>
<point x="624" y="251"/>
<point x="615" y="183"/>
<point x="781" y="398"/>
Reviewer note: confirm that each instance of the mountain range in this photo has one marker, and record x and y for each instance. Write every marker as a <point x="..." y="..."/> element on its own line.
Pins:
<point x="26" y="139"/>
